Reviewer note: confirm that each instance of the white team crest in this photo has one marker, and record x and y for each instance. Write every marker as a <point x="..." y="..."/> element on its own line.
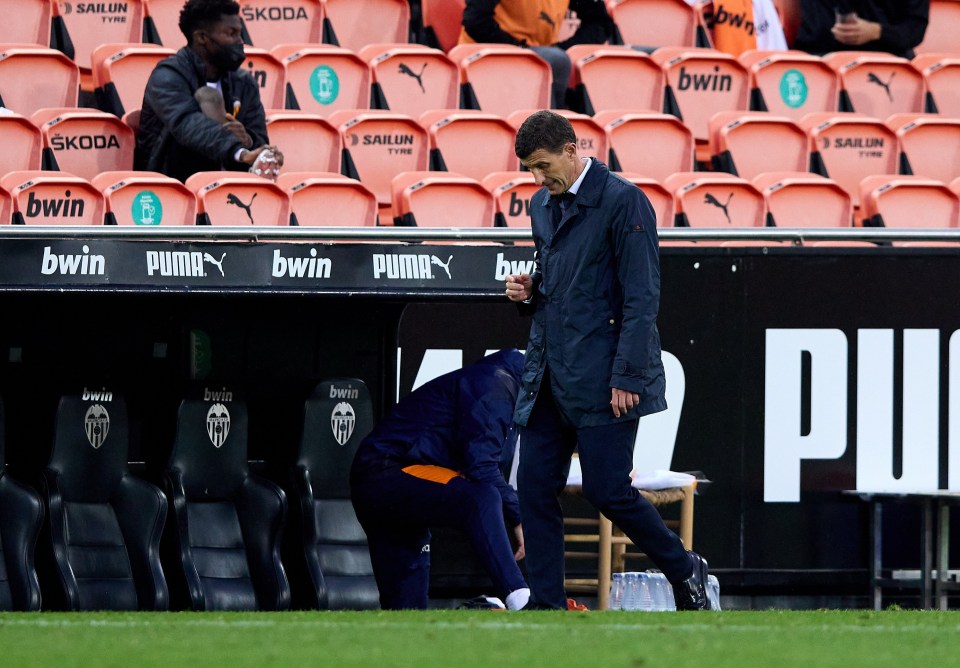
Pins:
<point x="97" y="424"/>
<point x="218" y="424"/>
<point x="342" y="421"/>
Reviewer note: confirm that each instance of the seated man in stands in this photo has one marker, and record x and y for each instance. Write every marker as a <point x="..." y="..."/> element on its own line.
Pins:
<point x="435" y="460"/>
<point x="537" y="25"/>
<point x="894" y="26"/>
<point x="177" y="137"/>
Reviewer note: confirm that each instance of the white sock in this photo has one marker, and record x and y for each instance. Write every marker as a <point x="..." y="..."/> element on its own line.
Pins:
<point x="518" y="598"/>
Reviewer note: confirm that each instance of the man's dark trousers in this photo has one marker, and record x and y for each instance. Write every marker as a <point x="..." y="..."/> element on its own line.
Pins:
<point x="606" y="458"/>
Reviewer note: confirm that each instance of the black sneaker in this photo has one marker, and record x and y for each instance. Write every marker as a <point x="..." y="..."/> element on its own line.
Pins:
<point x="691" y="594"/>
<point x="483" y="603"/>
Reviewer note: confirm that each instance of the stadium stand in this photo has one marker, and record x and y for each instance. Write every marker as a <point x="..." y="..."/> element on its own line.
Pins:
<point x="803" y="199"/>
<point x="329" y="548"/>
<point x="661" y="199"/>
<point x="908" y="201"/>
<point x="440" y="199"/>
<point x="353" y="24"/>
<point x="378" y="145"/>
<point x="501" y="78"/>
<point x="848" y="147"/>
<point x="511" y="193"/>
<point x="701" y="82"/>
<point x="22" y="144"/>
<point x="145" y="198"/>
<point x="942" y="28"/>
<point x="654" y="145"/>
<point x="161" y="23"/>
<point x="749" y="143"/>
<point x="591" y="137"/>
<point x="239" y="199"/>
<point x="655" y="23"/>
<point x="324" y="79"/>
<point x="598" y="75"/>
<point x="270" y="23"/>
<point x="441" y="22"/>
<point x="790" y="83"/>
<point x="25" y="21"/>
<point x="226" y="522"/>
<point x="120" y="73"/>
<point x="33" y="77"/>
<point x="410" y="79"/>
<point x="322" y="199"/>
<point x="78" y="33"/>
<point x="877" y="84"/>
<point x="716" y="200"/>
<point x="101" y="542"/>
<point x="21" y="518"/>
<point x="84" y="142"/>
<point x="469" y="142"/>
<point x="52" y="198"/>
<point x="308" y="141"/>
<point x="270" y="75"/>
<point x="941" y="73"/>
<point x="929" y="144"/>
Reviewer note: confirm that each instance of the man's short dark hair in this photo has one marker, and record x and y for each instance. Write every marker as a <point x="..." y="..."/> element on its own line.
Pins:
<point x="544" y="130"/>
<point x="203" y="14"/>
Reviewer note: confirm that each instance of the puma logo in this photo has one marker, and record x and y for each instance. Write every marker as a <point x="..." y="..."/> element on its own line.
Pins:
<point x="710" y="199"/>
<point x="874" y="79"/>
<point x="446" y="267"/>
<point x="546" y="17"/>
<point x="233" y="199"/>
<point x="410" y="73"/>
<point x="219" y="265"/>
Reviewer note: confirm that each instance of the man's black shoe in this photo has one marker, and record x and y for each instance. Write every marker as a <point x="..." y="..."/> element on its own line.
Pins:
<point x="537" y="605"/>
<point x="691" y="594"/>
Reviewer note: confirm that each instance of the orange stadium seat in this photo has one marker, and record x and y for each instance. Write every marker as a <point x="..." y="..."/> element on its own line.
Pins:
<point x="653" y="23"/>
<point x="22" y="144"/>
<point x="941" y="72"/>
<point x="270" y="23"/>
<point x="700" y="83"/>
<point x="442" y="22"/>
<point x="324" y="79"/>
<point x="469" y="142"/>
<point x="441" y="199"/>
<point x="379" y="145"/>
<point x="84" y="142"/>
<point x="790" y="83"/>
<point x="803" y="199"/>
<point x="591" y="137"/>
<point x="308" y="141"/>
<point x="120" y="73"/>
<point x="501" y="78"/>
<point x="929" y="144"/>
<point x="654" y="145"/>
<point x="599" y="72"/>
<point x="324" y="199"/>
<point x="942" y="28"/>
<point x="269" y="73"/>
<point x="25" y="21"/>
<point x="908" y="201"/>
<point x="103" y="23"/>
<point x="353" y="24"/>
<point x="34" y="77"/>
<point x="145" y="198"/>
<point x="53" y="198"/>
<point x="753" y="142"/>
<point x="716" y="200"/>
<point x="955" y="185"/>
<point x="6" y="207"/>
<point x="511" y="193"/>
<point x="661" y="199"/>
<point x="410" y="79"/>
<point x="878" y="84"/>
<point x="239" y="199"/>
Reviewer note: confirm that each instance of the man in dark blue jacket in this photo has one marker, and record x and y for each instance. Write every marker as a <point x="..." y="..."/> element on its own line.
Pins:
<point x="593" y="362"/>
<point x="435" y="461"/>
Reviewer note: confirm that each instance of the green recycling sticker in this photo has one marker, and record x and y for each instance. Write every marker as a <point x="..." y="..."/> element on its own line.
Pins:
<point x="793" y="88"/>
<point x="147" y="208"/>
<point x="324" y="84"/>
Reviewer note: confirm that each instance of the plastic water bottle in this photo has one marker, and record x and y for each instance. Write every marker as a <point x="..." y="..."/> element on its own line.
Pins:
<point x="646" y="592"/>
<point x="631" y="592"/>
<point x="713" y="592"/>
<point x="616" y="592"/>
<point x="660" y="590"/>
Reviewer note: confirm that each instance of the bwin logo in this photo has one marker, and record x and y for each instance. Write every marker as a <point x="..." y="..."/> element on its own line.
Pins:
<point x="82" y="265"/>
<point x="221" y="395"/>
<point x="512" y="267"/>
<point x="408" y="266"/>
<point x="301" y="267"/>
<point x="342" y="421"/>
<point x="344" y="392"/>
<point x="218" y="424"/>
<point x="94" y="395"/>
<point x="64" y="207"/>
<point x="96" y="424"/>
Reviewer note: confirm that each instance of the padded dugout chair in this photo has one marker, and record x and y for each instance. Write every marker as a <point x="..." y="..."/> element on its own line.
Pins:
<point x="227" y="522"/>
<point x="21" y="516"/>
<point x="331" y="554"/>
<point x="104" y="527"/>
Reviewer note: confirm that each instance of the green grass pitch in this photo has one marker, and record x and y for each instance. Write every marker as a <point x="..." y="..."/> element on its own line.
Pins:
<point x="754" y="639"/>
